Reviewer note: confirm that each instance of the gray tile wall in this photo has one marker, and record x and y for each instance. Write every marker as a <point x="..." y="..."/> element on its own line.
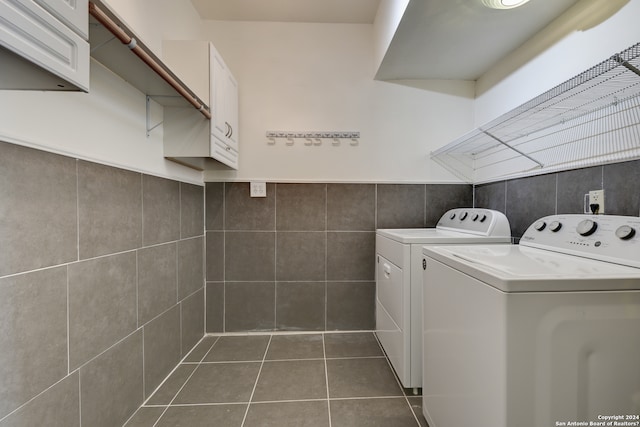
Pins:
<point x="302" y="258"/>
<point x="101" y="287"/>
<point x="524" y="200"/>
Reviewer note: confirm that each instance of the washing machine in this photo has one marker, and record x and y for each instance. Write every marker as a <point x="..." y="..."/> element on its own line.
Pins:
<point x="543" y="333"/>
<point x="399" y="280"/>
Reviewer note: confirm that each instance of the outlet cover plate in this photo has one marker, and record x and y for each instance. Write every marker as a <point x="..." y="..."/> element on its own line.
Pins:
<point x="597" y="197"/>
<point x="258" y="189"/>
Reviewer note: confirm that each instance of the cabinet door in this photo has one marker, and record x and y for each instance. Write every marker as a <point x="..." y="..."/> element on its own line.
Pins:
<point x="73" y="13"/>
<point x="219" y="126"/>
<point x="222" y="152"/>
<point x="32" y="33"/>
<point x="231" y="107"/>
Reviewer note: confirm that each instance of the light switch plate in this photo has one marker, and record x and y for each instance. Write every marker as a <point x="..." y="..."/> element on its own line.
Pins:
<point x="258" y="189"/>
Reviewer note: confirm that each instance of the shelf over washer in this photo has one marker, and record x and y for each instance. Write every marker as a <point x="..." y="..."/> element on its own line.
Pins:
<point x="591" y="119"/>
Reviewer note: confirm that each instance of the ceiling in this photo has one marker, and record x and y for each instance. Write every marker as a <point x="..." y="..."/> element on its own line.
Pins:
<point x="461" y="39"/>
<point x="436" y="39"/>
<point x="318" y="11"/>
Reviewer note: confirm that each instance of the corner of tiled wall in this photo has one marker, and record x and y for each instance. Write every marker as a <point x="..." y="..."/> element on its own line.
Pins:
<point x="101" y="287"/>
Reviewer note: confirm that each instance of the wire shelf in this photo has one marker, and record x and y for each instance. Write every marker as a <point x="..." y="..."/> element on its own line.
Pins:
<point x="593" y="118"/>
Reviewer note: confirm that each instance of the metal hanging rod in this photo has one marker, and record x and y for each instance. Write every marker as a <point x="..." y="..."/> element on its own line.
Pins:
<point x="512" y="148"/>
<point x="626" y="64"/>
<point x="132" y="44"/>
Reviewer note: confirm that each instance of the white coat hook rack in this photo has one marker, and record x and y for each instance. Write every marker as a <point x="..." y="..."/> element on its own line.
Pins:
<point x="313" y="138"/>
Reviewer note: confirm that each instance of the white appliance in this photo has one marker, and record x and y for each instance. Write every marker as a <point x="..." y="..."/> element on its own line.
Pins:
<point x="399" y="280"/>
<point x="537" y="334"/>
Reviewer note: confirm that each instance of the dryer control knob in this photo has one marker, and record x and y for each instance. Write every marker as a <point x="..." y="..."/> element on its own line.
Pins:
<point x="555" y="226"/>
<point x="452" y="216"/>
<point x="475" y="217"/>
<point x="625" y="232"/>
<point x="464" y="216"/>
<point x="587" y="227"/>
<point x="540" y="225"/>
<point x="483" y="218"/>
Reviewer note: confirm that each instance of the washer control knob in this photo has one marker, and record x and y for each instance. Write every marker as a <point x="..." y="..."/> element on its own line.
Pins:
<point x="587" y="227"/>
<point x="625" y="232"/>
<point x="464" y="216"/>
<point x="452" y="216"/>
<point x="555" y="226"/>
<point x="475" y="217"/>
<point x="483" y="217"/>
<point x="540" y="225"/>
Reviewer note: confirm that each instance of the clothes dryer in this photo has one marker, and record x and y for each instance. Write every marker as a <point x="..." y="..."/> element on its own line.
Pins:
<point x="399" y="280"/>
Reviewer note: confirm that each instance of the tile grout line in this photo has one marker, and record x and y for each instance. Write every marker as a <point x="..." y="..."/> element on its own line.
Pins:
<point x="68" y="327"/>
<point x="326" y="377"/>
<point x="275" y="273"/>
<point x="79" y="399"/>
<point x="5" y="417"/>
<point x="182" y="362"/>
<point x="224" y="256"/>
<point x="177" y="393"/>
<point x="204" y="255"/>
<point x="255" y="385"/>
<point x="144" y="382"/>
<point x="404" y="395"/>
<point x="77" y="211"/>
<point x="284" y="360"/>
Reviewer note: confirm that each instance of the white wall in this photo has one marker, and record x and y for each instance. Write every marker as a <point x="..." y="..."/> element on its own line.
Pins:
<point x="384" y="27"/>
<point x="107" y="125"/>
<point x="557" y="54"/>
<point x="155" y="20"/>
<point x="318" y="77"/>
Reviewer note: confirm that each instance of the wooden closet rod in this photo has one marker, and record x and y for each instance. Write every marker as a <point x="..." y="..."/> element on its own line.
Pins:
<point x="131" y="43"/>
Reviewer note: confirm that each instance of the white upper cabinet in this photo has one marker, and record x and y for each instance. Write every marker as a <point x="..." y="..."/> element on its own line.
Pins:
<point x="73" y="13"/>
<point x="189" y="139"/>
<point x="224" y="100"/>
<point x="43" y="45"/>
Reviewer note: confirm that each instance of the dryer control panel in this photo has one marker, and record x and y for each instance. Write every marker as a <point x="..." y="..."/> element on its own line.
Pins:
<point x="485" y="222"/>
<point x="603" y="237"/>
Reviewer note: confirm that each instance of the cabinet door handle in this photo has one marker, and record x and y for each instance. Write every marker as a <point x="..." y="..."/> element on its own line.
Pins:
<point x="228" y="129"/>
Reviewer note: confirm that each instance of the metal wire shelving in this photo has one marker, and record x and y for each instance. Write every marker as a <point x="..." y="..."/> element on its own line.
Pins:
<point x="593" y="118"/>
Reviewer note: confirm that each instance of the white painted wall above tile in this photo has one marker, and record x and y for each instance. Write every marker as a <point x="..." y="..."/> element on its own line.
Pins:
<point x="319" y="76"/>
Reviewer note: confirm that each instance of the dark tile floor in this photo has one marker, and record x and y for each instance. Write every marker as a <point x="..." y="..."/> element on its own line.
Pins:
<point x="305" y="380"/>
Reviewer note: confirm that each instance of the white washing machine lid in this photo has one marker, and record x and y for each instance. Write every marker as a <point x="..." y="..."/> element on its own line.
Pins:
<point x="437" y="236"/>
<point x="515" y="268"/>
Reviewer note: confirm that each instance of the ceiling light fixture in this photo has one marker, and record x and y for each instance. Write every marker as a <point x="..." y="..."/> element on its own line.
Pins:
<point x="503" y="4"/>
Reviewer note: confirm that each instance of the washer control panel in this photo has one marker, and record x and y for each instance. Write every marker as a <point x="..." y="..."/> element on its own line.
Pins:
<point x="486" y="222"/>
<point x="604" y="237"/>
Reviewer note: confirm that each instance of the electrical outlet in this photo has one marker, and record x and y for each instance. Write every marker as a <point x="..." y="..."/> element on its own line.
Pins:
<point x="258" y="189"/>
<point x="596" y="197"/>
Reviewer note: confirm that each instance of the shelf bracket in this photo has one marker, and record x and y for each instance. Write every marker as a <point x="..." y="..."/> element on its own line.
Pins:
<point x="149" y="126"/>
<point x="512" y="148"/>
<point x="626" y="64"/>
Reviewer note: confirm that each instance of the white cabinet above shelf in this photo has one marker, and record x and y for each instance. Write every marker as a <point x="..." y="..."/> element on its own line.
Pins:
<point x="190" y="141"/>
<point x="591" y="119"/>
